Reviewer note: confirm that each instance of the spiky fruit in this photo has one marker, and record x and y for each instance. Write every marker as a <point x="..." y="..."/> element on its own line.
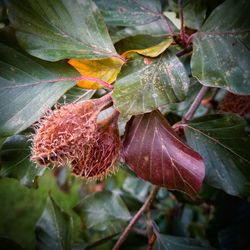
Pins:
<point x="98" y="159"/>
<point x="238" y="104"/>
<point x="71" y="135"/>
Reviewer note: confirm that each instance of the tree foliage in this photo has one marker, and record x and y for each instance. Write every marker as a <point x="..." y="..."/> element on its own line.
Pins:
<point x="172" y="76"/>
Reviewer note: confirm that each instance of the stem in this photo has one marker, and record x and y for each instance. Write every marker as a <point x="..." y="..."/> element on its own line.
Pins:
<point x="182" y="31"/>
<point x="137" y="216"/>
<point x="196" y="103"/>
<point x="87" y="78"/>
<point x="104" y="101"/>
<point x="121" y="58"/>
<point x="190" y="38"/>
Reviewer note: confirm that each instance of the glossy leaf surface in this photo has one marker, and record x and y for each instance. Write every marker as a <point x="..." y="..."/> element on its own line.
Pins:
<point x="137" y="188"/>
<point x="59" y="29"/>
<point x="221" y="56"/>
<point x="130" y="12"/>
<point x="145" y="84"/>
<point x="224" y="145"/>
<point x="161" y="27"/>
<point x="15" y="161"/>
<point x="105" y="69"/>
<point x="194" y="14"/>
<point x="156" y="154"/>
<point x="53" y="229"/>
<point x="168" y="242"/>
<point x="152" y="51"/>
<point x="25" y="93"/>
<point x="76" y="94"/>
<point x="105" y="212"/>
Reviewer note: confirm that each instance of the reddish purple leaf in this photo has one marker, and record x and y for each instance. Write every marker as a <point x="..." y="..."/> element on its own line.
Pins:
<point x="156" y="154"/>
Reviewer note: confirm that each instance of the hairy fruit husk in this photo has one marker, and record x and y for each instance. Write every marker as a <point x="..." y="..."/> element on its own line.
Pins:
<point x="71" y="135"/>
<point x="98" y="159"/>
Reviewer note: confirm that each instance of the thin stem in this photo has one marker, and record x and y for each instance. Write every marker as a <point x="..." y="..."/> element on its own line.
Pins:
<point x="104" y="101"/>
<point x="182" y="31"/>
<point x="196" y="103"/>
<point x="121" y="58"/>
<point x="86" y="78"/>
<point x="137" y="216"/>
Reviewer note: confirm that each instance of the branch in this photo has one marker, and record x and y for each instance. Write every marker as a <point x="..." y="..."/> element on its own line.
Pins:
<point x="194" y="106"/>
<point x="137" y="216"/>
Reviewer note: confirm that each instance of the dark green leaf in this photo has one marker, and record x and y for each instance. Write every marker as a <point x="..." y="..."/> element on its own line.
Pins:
<point x="15" y="162"/>
<point x="161" y="27"/>
<point x="136" y="187"/>
<point x="194" y="13"/>
<point x="76" y="94"/>
<point x="224" y="145"/>
<point x="25" y="93"/>
<point x="138" y="42"/>
<point x="182" y="107"/>
<point x="167" y="242"/>
<point x="230" y="17"/>
<point x="53" y="229"/>
<point x="105" y="212"/>
<point x="146" y="84"/>
<point x="129" y="12"/>
<point x="9" y="244"/>
<point x="221" y="56"/>
<point x="59" y="29"/>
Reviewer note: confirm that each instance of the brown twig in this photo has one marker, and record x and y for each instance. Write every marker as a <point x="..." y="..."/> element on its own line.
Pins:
<point x="194" y="106"/>
<point x="137" y="216"/>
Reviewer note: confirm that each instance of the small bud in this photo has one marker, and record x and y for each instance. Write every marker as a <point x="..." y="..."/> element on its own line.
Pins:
<point x="237" y="104"/>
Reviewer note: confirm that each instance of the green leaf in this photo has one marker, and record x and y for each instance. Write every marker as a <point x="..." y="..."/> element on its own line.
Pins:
<point x="221" y="56"/>
<point x="146" y="84"/>
<point x="59" y="29"/>
<point x="224" y="145"/>
<point x="194" y="14"/>
<point x="167" y="242"/>
<point x="25" y="91"/>
<point x="182" y="107"/>
<point x="130" y="12"/>
<point x="105" y="212"/>
<point x="76" y="94"/>
<point x="136" y="187"/>
<point x="161" y="27"/>
<point x="140" y="42"/>
<point x="15" y="162"/>
<point x="230" y="17"/>
<point x="53" y="229"/>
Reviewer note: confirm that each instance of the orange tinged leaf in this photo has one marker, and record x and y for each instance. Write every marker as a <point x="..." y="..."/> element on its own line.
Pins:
<point x="105" y="69"/>
<point x="153" y="51"/>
